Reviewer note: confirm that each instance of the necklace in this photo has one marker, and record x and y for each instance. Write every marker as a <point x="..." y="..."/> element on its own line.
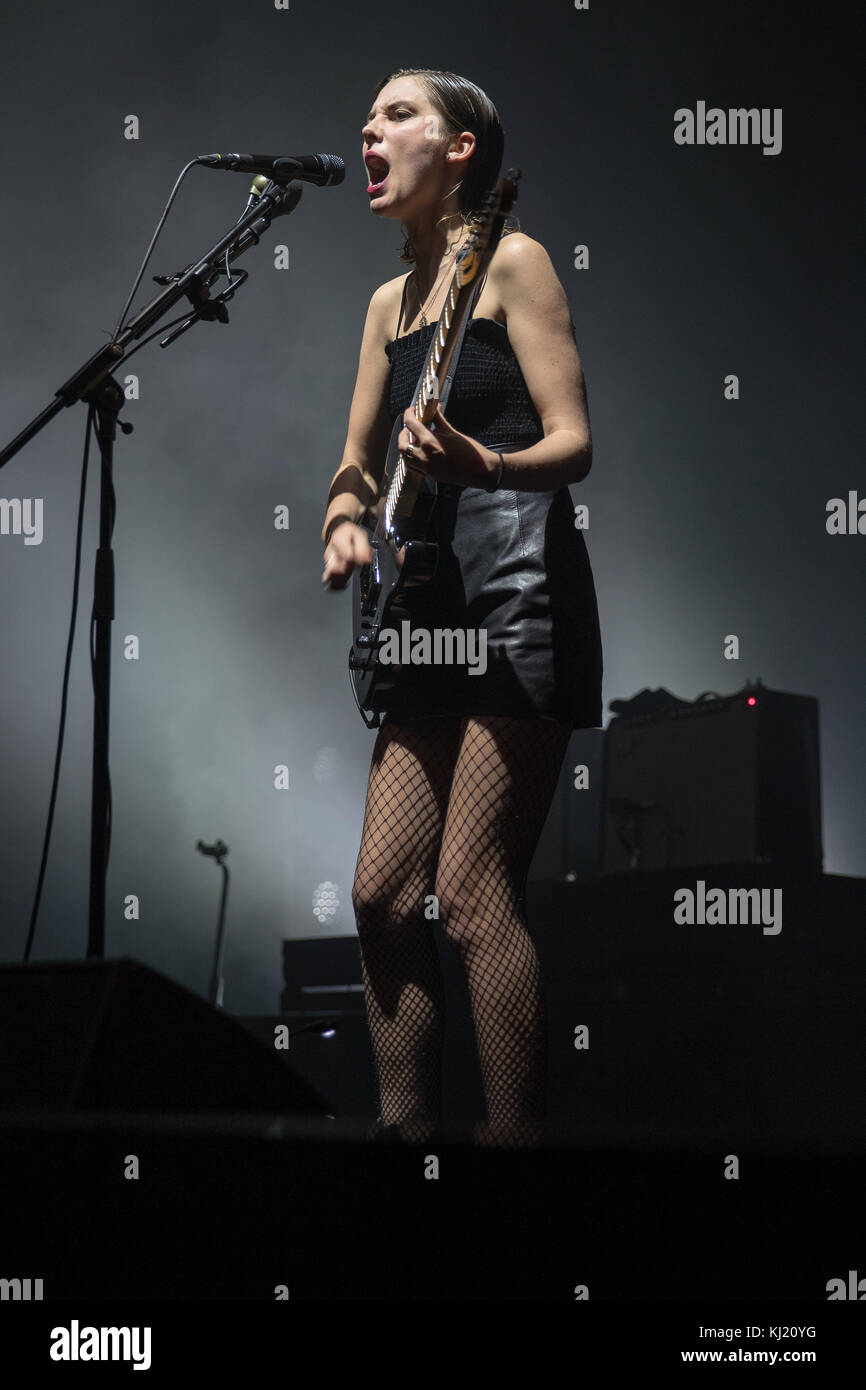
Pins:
<point x="431" y="295"/>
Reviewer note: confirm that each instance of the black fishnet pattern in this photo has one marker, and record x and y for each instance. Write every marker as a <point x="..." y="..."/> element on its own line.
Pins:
<point x="503" y="784"/>
<point x="455" y="808"/>
<point x="404" y="817"/>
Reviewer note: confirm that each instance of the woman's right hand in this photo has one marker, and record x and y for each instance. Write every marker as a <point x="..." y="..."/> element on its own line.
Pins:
<point x="347" y="547"/>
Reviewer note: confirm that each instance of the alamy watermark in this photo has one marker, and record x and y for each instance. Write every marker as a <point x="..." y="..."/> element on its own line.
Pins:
<point x="76" y="1343"/>
<point x="731" y="907"/>
<point x="20" y="1290"/>
<point x="439" y="646"/>
<point x="738" y="125"/>
<point x="22" y="516"/>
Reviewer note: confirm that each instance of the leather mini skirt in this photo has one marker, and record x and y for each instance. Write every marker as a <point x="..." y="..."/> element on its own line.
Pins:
<point x="514" y="571"/>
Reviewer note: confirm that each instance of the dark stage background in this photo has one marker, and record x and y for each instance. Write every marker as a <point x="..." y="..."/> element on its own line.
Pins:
<point x="707" y="516"/>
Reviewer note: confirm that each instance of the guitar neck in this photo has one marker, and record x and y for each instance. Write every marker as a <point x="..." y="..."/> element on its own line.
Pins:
<point x="403" y="489"/>
<point x="442" y="348"/>
<point x="406" y="484"/>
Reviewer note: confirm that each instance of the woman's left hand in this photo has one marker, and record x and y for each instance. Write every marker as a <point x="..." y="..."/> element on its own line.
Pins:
<point x="446" y="455"/>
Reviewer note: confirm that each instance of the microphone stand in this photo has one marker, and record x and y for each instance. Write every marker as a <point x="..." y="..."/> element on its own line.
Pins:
<point x="218" y="853"/>
<point x="94" y="382"/>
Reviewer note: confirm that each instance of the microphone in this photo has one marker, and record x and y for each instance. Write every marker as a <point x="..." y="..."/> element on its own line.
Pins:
<point x="321" y="169"/>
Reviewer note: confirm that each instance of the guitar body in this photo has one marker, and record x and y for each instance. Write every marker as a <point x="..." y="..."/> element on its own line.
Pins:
<point x="401" y="562"/>
<point x="404" y="553"/>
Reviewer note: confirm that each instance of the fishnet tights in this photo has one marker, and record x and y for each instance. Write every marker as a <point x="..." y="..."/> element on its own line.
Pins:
<point x="455" y="808"/>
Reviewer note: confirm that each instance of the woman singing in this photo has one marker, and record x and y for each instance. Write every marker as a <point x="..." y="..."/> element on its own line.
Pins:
<point x="465" y="763"/>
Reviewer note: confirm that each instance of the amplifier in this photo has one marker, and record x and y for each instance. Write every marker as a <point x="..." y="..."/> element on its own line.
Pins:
<point x="724" y="780"/>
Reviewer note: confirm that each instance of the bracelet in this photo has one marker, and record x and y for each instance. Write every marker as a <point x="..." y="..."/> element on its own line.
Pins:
<point x="491" y="487"/>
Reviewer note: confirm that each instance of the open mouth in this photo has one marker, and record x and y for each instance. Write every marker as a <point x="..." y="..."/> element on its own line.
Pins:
<point x="379" y="171"/>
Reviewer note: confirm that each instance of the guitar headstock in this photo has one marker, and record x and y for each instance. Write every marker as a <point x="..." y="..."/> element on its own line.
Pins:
<point x="486" y="232"/>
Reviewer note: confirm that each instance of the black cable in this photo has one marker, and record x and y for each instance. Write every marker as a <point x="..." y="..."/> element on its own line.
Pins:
<point x="155" y="334"/>
<point x="148" y="253"/>
<point x="112" y="500"/>
<point x="65" y="689"/>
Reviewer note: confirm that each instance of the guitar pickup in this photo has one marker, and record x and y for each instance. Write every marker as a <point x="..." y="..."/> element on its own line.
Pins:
<point x="371" y="582"/>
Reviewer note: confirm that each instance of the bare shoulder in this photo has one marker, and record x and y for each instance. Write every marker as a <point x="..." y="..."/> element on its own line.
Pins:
<point x="516" y="246"/>
<point x="521" y="263"/>
<point x="385" y="305"/>
<point x="527" y="285"/>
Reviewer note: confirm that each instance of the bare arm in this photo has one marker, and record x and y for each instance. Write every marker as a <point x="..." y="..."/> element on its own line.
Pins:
<point x="355" y="484"/>
<point x="540" y="332"/>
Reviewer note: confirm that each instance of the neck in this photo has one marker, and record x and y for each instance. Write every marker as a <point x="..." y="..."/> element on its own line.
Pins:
<point x="434" y="243"/>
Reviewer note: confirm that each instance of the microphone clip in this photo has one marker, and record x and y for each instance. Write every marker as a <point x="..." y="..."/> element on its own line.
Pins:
<point x="207" y="309"/>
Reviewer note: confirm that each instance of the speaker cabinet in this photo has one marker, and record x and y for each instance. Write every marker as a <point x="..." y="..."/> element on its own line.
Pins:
<point x="722" y="781"/>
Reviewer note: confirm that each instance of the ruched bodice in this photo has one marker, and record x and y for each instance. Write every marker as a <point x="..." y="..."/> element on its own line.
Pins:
<point x="489" y="397"/>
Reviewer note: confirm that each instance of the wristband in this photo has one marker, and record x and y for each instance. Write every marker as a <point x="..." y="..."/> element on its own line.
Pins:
<point x="492" y="487"/>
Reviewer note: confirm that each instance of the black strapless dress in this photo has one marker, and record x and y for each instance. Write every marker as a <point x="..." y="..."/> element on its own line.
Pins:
<point x="510" y="563"/>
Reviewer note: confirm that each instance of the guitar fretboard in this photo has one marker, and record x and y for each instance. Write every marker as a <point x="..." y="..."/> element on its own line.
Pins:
<point x="403" y="489"/>
<point x="438" y="359"/>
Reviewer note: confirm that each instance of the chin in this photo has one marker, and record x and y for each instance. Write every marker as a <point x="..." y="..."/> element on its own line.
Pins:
<point x="384" y="210"/>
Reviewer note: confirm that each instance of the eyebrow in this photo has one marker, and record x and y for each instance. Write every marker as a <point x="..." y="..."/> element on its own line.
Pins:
<point x="401" y="101"/>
